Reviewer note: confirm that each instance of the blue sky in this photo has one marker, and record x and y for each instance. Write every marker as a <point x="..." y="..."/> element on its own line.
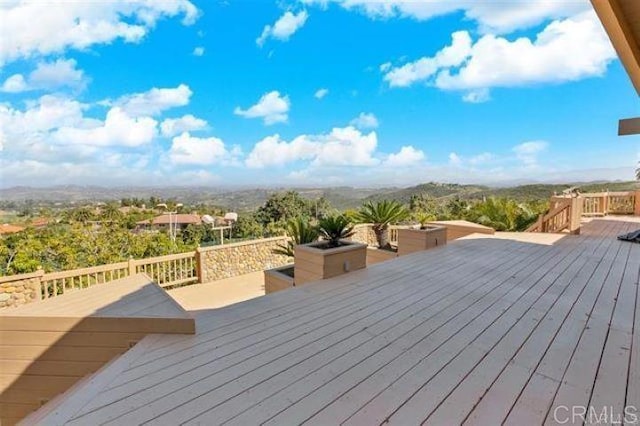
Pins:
<point x="310" y="93"/>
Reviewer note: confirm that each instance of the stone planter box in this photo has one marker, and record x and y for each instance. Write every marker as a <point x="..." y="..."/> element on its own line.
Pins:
<point x="277" y="279"/>
<point x="313" y="263"/>
<point x="376" y="255"/>
<point x="413" y="240"/>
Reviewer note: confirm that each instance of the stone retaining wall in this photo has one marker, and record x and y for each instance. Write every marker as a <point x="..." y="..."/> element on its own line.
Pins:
<point x="231" y="260"/>
<point x="364" y="234"/>
<point x="19" y="289"/>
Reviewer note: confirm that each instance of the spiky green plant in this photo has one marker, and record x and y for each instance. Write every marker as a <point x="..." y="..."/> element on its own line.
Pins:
<point x="300" y="231"/>
<point x="382" y="214"/>
<point x="423" y="218"/>
<point x="335" y="228"/>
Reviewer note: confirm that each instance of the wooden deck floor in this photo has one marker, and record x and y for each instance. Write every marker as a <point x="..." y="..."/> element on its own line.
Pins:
<point x="482" y="331"/>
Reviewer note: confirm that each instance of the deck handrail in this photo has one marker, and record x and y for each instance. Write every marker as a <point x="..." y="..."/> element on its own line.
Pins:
<point x="166" y="271"/>
<point x="556" y="220"/>
<point x="170" y="270"/>
<point x="606" y="203"/>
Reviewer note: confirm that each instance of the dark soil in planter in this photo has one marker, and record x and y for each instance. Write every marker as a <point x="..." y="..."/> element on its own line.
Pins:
<point x="287" y="271"/>
<point x="326" y="245"/>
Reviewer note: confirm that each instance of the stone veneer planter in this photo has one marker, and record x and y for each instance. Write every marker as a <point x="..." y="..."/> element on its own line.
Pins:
<point x="312" y="263"/>
<point x="412" y="240"/>
<point x="277" y="279"/>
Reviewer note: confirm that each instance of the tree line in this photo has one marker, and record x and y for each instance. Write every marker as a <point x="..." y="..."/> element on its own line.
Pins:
<point x="89" y="236"/>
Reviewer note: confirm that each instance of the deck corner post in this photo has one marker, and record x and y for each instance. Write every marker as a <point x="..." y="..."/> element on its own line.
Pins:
<point x="199" y="265"/>
<point x="132" y="266"/>
<point x="38" y="290"/>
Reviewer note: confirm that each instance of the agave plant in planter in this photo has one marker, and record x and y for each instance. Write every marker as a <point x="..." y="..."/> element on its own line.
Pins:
<point x="331" y="257"/>
<point x="300" y="231"/>
<point x="335" y="228"/>
<point x="382" y="214"/>
<point x="423" y="219"/>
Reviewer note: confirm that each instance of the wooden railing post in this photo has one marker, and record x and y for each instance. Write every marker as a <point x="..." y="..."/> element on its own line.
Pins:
<point x="636" y="203"/>
<point x="575" y="215"/>
<point x="38" y="290"/>
<point x="199" y="265"/>
<point x="132" y="267"/>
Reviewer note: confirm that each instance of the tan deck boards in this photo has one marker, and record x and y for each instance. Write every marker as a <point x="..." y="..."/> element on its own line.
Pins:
<point x="47" y="346"/>
<point x="481" y="331"/>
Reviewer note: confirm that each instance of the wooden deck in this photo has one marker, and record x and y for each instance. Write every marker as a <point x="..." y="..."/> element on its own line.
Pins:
<point x="481" y="331"/>
<point x="48" y="346"/>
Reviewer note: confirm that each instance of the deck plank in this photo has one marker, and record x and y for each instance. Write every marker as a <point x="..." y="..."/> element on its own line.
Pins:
<point x="578" y="381"/>
<point x="268" y="403"/>
<point x="482" y="330"/>
<point x="494" y="383"/>
<point x="499" y="342"/>
<point x="311" y="339"/>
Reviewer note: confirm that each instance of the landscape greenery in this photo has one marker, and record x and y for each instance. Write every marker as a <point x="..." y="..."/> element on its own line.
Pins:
<point x="93" y="232"/>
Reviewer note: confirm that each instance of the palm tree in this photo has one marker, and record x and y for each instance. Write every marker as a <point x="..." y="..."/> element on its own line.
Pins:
<point x="110" y="213"/>
<point x="382" y="214"/>
<point x="638" y="171"/>
<point x="301" y="232"/>
<point x="503" y="214"/>
<point x="335" y="228"/>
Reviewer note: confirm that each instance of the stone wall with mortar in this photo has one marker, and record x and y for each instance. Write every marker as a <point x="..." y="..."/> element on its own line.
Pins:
<point x="364" y="234"/>
<point x="19" y="289"/>
<point x="231" y="260"/>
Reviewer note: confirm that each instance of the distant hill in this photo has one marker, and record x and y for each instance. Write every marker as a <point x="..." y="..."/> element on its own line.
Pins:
<point x="521" y="192"/>
<point x="432" y="189"/>
<point x="248" y="199"/>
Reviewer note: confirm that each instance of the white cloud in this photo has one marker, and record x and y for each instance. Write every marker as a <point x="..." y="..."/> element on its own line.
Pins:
<point x="454" y="159"/>
<point x="567" y="50"/>
<point x="284" y="27"/>
<point x="321" y="93"/>
<point x="482" y="158"/>
<point x="385" y="67"/>
<point x="198" y="51"/>
<point x="54" y="130"/>
<point x="118" y="129"/>
<point x="49" y="112"/>
<point x="425" y="68"/>
<point x="154" y="101"/>
<point x="272" y="108"/>
<point x="345" y="146"/>
<point x="191" y="150"/>
<point x="365" y="121"/>
<point x="407" y="156"/>
<point x="274" y="151"/>
<point x="173" y="126"/>
<point x="491" y="16"/>
<point x="528" y="152"/>
<point x="14" y="84"/>
<point x="30" y="28"/>
<point x="477" y="96"/>
<point x="48" y="76"/>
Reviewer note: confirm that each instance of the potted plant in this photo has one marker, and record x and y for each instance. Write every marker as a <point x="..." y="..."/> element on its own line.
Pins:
<point x="421" y="237"/>
<point x="332" y="256"/>
<point x="423" y="219"/>
<point x="299" y="231"/>
<point x="381" y="215"/>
